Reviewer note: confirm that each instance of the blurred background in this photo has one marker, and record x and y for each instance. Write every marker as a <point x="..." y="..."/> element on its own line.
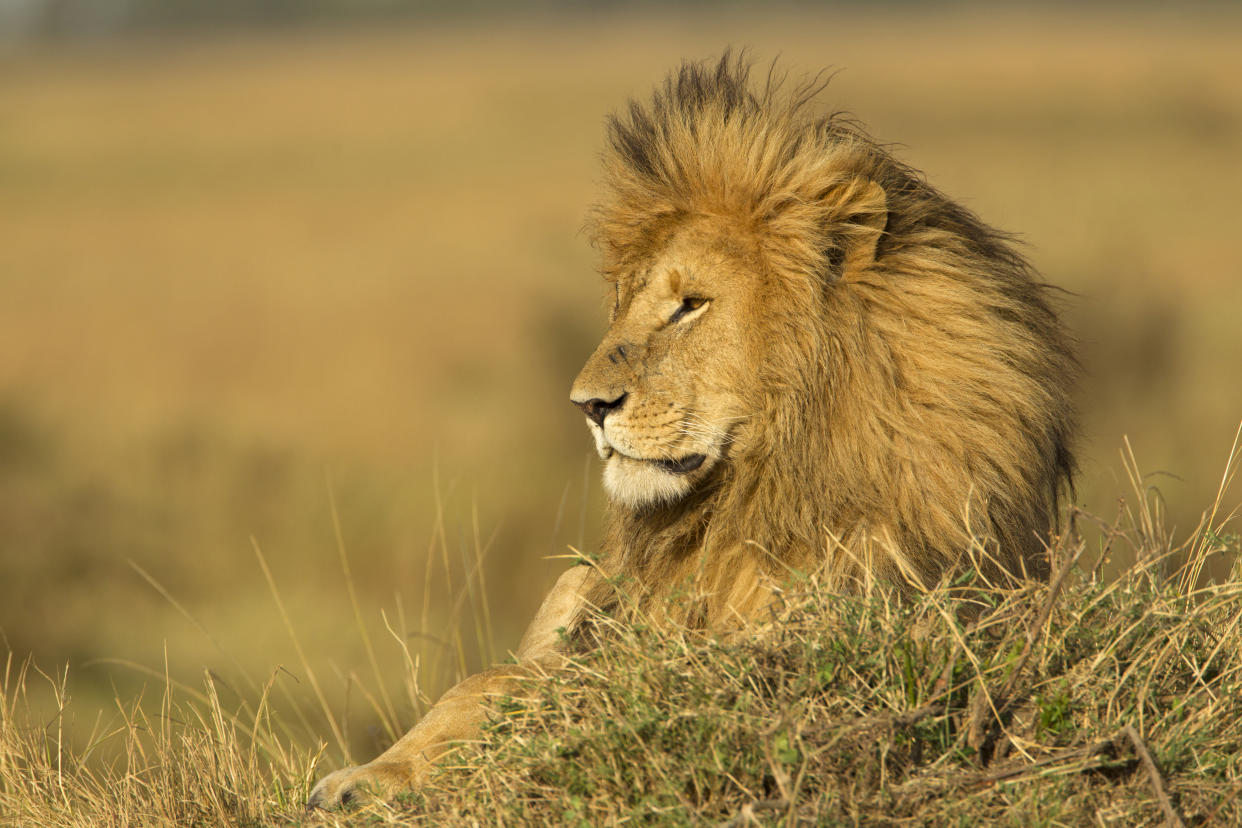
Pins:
<point x="268" y="269"/>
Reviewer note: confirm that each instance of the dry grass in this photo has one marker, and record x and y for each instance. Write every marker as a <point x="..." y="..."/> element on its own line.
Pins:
<point x="1079" y="701"/>
<point x="228" y="265"/>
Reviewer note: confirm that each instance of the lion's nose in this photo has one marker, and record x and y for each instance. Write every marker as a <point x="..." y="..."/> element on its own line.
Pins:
<point x="597" y="409"/>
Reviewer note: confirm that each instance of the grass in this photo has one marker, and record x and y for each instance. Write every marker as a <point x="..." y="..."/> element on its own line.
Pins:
<point x="1083" y="700"/>
<point x="867" y="712"/>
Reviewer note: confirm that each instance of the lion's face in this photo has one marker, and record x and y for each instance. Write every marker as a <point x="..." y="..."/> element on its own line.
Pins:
<point x="664" y="393"/>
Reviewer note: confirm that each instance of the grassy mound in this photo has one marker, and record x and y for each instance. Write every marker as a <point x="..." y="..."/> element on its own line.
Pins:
<point x="1042" y="705"/>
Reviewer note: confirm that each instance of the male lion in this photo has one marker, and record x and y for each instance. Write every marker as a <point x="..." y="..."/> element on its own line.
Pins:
<point x="815" y="362"/>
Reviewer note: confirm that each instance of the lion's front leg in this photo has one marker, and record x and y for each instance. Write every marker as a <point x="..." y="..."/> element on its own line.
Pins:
<point x="456" y="716"/>
<point x="461" y="711"/>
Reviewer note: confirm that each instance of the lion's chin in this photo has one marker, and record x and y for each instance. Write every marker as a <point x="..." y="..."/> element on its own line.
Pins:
<point x="639" y="483"/>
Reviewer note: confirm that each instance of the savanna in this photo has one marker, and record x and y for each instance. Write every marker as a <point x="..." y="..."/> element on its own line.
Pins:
<point x="288" y="323"/>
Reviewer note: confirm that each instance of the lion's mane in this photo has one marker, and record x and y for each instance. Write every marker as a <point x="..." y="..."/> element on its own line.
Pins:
<point x="914" y="415"/>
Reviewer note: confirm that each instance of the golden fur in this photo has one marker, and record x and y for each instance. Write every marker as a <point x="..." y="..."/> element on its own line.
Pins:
<point x="815" y="362"/>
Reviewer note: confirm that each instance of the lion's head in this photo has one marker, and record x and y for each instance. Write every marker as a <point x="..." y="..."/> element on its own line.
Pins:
<point x="811" y="351"/>
<point x="669" y="391"/>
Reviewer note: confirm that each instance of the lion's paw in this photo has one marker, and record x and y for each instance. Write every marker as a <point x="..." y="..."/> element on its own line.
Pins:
<point x="349" y="785"/>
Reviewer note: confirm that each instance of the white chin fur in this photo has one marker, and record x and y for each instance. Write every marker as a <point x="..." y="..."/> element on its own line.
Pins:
<point x="635" y="484"/>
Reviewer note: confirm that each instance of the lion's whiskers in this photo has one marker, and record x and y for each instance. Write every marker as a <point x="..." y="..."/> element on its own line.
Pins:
<point x="694" y="425"/>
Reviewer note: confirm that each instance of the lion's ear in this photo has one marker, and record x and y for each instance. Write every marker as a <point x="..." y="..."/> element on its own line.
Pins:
<point x="861" y="215"/>
<point x="830" y="232"/>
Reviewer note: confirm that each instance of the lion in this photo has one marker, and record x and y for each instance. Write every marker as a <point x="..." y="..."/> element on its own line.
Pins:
<point x="815" y="362"/>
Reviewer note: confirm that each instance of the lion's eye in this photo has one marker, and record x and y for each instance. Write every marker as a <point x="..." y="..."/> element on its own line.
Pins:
<point x="688" y="305"/>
